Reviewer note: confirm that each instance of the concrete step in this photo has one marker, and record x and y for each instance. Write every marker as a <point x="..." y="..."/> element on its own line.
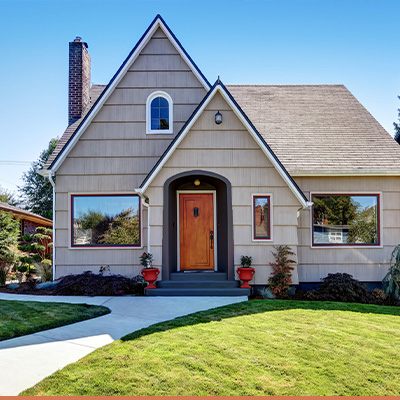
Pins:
<point x="198" y="276"/>
<point x="198" y="284"/>
<point x="198" y="292"/>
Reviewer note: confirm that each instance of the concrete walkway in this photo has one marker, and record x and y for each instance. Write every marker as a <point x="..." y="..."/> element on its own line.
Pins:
<point x="26" y="360"/>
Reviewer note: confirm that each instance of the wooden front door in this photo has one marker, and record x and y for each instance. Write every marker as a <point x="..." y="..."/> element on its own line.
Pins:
<point x="196" y="231"/>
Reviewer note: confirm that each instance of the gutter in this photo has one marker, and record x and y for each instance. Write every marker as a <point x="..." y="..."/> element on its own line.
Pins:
<point x="50" y="176"/>
<point x="146" y="203"/>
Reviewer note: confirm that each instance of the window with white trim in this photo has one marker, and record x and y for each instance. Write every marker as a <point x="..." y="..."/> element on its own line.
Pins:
<point x="109" y="220"/>
<point x="345" y="220"/>
<point x="159" y="113"/>
<point x="261" y="217"/>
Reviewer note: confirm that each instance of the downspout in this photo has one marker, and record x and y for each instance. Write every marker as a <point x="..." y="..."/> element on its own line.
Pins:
<point x="146" y="203"/>
<point x="148" y="224"/>
<point x="50" y="176"/>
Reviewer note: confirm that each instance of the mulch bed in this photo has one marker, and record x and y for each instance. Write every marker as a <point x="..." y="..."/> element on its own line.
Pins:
<point x="24" y="288"/>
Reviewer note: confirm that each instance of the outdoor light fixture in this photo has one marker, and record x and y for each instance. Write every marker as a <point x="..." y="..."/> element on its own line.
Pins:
<point x="196" y="182"/>
<point x="218" y="118"/>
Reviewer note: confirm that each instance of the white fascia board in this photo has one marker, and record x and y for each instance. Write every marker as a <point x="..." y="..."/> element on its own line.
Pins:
<point x="300" y="174"/>
<point x="45" y="172"/>
<point x="158" y="23"/>
<point x="270" y="157"/>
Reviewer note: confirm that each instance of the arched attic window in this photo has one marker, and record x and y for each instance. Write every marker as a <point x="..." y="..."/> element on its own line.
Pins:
<point x="159" y="113"/>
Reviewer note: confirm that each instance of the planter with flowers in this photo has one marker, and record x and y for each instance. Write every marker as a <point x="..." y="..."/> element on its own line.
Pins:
<point x="246" y="272"/>
<point x="149" y="273"/>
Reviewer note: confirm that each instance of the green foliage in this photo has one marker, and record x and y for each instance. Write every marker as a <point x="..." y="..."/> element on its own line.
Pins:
<point x="397" y="125"/>
<point x="337" y="210"/>
<point x="7" y="196"/>
<point x="246" y="261"/>
<point x="281" y="276"/>
<point x="35" y="249"/>
<point x="123" y="229"/>
<point x="37" y="192"/>
<point x="9" y="233"/>
<point x="391" y="282"/>
<point x="363" y="228"/>
<point x="146" y="260"/>
<point x="91" y="219"/>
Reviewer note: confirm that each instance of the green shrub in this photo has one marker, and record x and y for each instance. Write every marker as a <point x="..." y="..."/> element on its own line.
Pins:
<point x="281" y="277"/>
<point x="391" y="282"/>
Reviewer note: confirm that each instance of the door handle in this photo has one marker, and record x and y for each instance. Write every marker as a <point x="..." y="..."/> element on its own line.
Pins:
<point x="211" y="239"/>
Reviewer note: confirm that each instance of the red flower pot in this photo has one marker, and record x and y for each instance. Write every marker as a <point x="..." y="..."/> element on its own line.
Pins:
<point x="150" y="275"/>
<point x="245" y="275"/>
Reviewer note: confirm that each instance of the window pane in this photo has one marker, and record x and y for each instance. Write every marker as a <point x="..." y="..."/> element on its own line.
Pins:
<point x="164" y="113"/>
<point x="159" y="114"/>
<point x="345" y="219"/>
<point x="163" y="102"/>
<point x="155" y="102"/>
<point x="155" y="123"/>
<point x="106" y="220"/>
<point x="261" y="217"/>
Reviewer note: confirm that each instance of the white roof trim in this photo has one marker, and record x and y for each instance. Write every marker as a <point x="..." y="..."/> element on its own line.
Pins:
<point x="158" y="23"/>
<point x="346" y="173"/>
<point x="250" y="129"/>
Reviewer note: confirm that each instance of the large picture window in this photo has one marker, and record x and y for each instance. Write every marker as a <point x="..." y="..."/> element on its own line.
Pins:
<point x="346" y="219"/>
<point x="105" y="220"/>
<point x="261" y="217"/>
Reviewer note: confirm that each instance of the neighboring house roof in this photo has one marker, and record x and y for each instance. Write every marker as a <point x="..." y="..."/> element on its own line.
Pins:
<point x="318" y="129"/>
<point x="25" y="215"/>
<point x="219" y="87"/>
<point x="81" y="124"/>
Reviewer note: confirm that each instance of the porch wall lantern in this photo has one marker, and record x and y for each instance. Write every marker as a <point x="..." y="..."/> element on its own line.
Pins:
<point x="218" y="118"/>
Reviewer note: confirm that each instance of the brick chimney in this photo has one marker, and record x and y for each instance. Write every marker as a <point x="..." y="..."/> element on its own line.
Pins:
<point x="79" y="79"/>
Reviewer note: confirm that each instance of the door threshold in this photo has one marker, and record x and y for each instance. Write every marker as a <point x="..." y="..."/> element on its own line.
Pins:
<point x="198" y="271"/>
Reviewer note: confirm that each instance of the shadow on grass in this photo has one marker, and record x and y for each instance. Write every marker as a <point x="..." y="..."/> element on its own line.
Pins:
<point x="259" y="307"/>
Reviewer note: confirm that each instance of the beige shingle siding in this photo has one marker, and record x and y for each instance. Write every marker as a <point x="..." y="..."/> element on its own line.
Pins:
<point x="318" y="128"/>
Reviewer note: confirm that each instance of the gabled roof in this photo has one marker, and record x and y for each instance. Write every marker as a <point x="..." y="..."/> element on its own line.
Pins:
<point x="319" y="129"/>
<point x="25" y="215"/>
<point x="72" y="136"/>
<point x="218" y="87"/>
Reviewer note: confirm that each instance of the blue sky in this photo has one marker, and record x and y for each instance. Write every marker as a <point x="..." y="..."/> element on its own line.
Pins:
<point x="350" y="42"/>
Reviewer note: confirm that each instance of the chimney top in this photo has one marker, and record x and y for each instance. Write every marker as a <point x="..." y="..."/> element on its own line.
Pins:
<point x="78" y="39"/>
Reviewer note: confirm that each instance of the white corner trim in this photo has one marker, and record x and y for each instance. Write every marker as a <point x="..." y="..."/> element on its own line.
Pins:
<point x="218" y="88"/>
<point x="105" y="95"/>
<point x="166" y="96"/>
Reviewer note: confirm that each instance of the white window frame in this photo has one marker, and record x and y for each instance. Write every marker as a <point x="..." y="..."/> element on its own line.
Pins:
<point x="115" y="247"/>
<point x="348" y="246"/>
<point x="271" y="217"/>
<point x="167" y="97"/>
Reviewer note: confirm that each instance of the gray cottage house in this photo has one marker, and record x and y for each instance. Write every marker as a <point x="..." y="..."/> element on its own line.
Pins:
<point x="199" y="174"/>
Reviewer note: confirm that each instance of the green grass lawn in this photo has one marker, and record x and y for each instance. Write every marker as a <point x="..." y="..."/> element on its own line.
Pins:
<point x="263" y="347"/>
<point x="19" y="318"/>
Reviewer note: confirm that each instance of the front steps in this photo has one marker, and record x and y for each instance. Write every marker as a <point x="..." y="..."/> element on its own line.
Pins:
<point x="199" y="283"/>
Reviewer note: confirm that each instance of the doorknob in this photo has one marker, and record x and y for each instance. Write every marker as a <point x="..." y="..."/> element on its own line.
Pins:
<point x="211" y="239"/>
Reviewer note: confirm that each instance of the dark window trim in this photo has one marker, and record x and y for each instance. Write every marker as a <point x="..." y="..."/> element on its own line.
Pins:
<point x="378" y="195"/>
<point x="255" y="196"/>
<point x="104" y="246"/>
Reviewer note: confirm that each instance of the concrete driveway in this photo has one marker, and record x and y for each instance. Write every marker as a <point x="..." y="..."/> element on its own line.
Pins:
<point x="26" y="360"/>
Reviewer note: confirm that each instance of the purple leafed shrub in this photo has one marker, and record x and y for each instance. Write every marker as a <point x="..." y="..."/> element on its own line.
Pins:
<point x="90" y="284"/>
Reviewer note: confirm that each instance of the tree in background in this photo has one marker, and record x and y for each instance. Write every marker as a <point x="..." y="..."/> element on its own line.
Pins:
<point x="37" y="192"/>
<point x="7" y="196"/>
<point x="397" y="124"/>
<point x="9" y="233"/>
